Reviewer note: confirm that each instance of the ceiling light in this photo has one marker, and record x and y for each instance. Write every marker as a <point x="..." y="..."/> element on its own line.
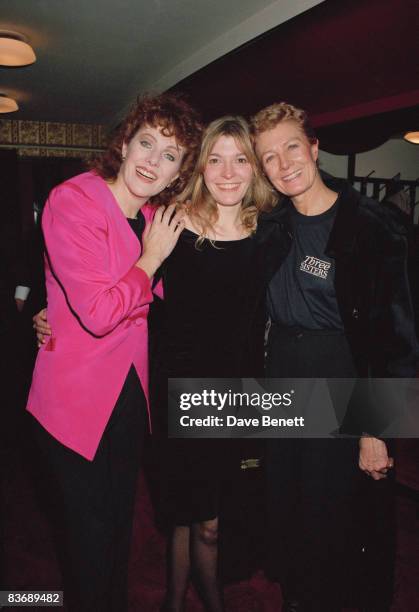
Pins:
<point x="14" y="49"/>
<point x="412" y="137"/>
<point x="7" y="105"/>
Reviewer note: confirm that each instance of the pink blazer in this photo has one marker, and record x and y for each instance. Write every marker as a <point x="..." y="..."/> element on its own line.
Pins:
<point x="98" y="303"/>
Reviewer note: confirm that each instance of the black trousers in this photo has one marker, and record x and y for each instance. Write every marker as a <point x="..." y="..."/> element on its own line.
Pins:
<point x="93" y="503"/>
<point x="311" y="482"/>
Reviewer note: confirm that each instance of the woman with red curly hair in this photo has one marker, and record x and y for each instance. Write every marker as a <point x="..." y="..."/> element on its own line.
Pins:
<point x="89" y="390"/>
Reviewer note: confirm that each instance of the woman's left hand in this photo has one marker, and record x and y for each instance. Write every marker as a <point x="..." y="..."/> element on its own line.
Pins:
<point x="373" y="458"/>
<point x="42" y="327"/>
<point x="160" y="238"/>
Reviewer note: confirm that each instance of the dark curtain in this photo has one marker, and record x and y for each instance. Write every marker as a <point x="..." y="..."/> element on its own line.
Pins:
<point x="37" y="176"/>
<point x="24" y="185"/>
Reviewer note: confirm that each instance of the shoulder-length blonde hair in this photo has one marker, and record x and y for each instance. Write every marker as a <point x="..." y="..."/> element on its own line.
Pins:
<point x="202" y="207"/>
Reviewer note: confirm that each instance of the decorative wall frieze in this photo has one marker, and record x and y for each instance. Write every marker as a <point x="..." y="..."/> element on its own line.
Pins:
<point x="51" y="139"/>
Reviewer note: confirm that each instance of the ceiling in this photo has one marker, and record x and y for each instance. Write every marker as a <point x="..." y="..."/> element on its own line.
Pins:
<point x="353" y="64"/>
<point x="95" y="56"/>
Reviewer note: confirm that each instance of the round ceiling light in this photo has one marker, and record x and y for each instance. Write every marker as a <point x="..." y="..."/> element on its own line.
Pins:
<point x="7" y="105"/>
<point x="412" y="137"/>
<point x="15" y="50"/>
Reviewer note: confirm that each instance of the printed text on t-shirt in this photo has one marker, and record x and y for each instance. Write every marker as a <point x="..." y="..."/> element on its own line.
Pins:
<point x="315" y="266"/>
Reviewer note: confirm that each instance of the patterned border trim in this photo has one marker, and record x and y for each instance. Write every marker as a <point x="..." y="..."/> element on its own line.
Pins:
<point x="70" y="139"/>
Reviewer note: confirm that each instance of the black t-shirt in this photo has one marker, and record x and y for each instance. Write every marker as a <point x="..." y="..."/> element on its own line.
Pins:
<point x="302" y="293"/>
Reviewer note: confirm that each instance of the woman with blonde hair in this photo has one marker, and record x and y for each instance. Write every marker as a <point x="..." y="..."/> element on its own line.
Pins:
<point x="340" y="307"/>
<point x="214" y="287"/>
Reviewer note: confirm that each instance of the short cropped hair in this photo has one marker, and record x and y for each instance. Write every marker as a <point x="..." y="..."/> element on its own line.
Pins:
<point x="174" y="117"/>
<point x="269" y="117"/>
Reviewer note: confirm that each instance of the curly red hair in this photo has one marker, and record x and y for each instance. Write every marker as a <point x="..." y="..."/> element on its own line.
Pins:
<point x="174" y="117"/>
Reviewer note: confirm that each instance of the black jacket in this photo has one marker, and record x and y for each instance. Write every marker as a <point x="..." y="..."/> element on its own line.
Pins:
<point x="369" y="245"/>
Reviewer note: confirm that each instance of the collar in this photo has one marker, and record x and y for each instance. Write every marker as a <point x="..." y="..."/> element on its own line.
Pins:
<point x="343" y="233"/>
<point x="342" y="236"/>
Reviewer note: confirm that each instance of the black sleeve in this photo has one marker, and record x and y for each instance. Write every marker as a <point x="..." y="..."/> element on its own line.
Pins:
<point x="394" y="331"/>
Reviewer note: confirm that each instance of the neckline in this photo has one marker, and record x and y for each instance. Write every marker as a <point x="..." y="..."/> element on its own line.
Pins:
<point x="311" y="219"/>
<point x="139" y="217"/>
<point x="195" y="235"/>
<point x="115" y="201"/>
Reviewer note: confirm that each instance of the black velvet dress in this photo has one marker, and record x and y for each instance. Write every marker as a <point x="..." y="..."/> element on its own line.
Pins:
<point x="214" y="328"/>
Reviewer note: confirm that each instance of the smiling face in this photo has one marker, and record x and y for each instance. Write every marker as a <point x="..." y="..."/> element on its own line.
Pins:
<point x="288" y="158"/>
<point x="227" y="173"/>
<point x="151" y="161"/>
